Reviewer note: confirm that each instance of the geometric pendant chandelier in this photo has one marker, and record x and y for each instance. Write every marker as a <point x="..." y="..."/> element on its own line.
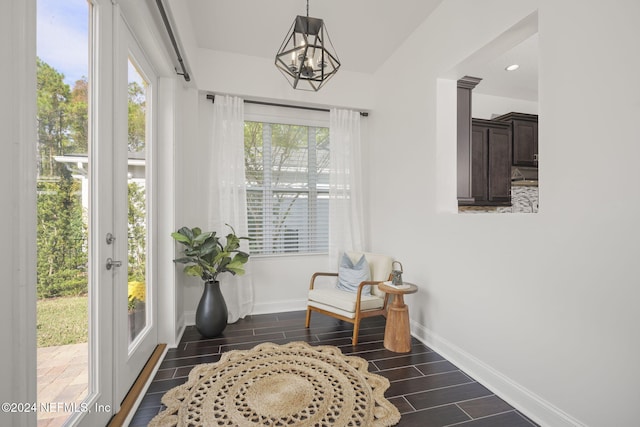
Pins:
<point x="307" y="57"/>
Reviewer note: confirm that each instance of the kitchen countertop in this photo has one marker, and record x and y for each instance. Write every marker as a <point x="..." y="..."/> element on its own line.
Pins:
<point x="525" y="183"/>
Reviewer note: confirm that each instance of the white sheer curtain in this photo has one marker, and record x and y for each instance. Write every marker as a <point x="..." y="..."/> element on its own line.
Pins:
<point x="227" y="195"/>
<point x="346" y="213"/>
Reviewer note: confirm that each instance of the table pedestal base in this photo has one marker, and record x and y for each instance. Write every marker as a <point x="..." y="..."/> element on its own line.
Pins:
<point x="397" y="335"/>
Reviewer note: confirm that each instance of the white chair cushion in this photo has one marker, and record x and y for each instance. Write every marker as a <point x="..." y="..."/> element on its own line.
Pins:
<point x="332" y="309"/>
<point x="343" y="300"/>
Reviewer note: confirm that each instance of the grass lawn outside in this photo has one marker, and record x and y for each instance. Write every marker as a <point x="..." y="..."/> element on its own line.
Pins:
<point x="62" y="321"/>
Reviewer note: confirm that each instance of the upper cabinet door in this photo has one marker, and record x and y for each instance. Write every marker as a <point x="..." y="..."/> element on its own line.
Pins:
<point x="525" y="143"/>
<point x="524" y="129"/>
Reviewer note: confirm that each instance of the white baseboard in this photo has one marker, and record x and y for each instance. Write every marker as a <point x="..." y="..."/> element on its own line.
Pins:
<point x="189" y="318"/>
<point x="180" y="326"/>
<point x="279" y="306"/>
<point x="524" y="400"/>
<point x="179" y="336"/>
<point x="259" y="308"/>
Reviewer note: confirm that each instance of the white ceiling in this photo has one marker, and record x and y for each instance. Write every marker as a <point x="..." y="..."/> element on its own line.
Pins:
<point x="521" y="83"/>
<point x="364" y="33"/>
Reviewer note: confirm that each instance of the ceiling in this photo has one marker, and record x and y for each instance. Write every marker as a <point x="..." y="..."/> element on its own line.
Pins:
<point x="364" y="33"/>
<point x="521" y="83"/>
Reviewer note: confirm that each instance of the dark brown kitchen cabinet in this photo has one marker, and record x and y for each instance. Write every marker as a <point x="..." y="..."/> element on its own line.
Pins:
<point x="490" y="163"/>
<point x="524" y="130"/>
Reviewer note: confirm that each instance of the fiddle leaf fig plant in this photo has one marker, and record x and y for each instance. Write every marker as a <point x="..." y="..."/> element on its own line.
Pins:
<point x="205" y="255"/>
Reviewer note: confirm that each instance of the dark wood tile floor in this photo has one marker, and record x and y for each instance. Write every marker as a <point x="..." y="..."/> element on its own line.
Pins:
<point x="427" y="389"/>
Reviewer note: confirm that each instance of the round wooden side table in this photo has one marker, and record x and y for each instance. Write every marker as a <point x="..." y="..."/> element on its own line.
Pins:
<point x="397" y="334"/>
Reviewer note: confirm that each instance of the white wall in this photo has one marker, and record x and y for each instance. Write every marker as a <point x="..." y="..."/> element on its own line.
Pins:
<point x="484" y="106"/>
<point x="258" y="78"/>
<point x="542" y="308"/>
<point x="281" y="283"/>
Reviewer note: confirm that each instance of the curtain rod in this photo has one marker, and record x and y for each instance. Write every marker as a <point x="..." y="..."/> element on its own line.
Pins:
<point x="273" y="104"/>
<point x="165" y="19"/>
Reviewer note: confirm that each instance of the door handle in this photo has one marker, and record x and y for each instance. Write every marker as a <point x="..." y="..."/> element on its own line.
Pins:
<point x="111" y="263"/>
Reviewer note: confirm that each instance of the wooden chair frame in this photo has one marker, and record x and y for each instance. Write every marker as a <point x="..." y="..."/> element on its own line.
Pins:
<point x="359" y="314"/>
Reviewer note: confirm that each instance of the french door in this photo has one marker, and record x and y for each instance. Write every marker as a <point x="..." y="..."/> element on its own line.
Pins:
<point x="134" y="149"/>
<point x="94" y="170"/>
<point x="123" y="213"/>
<point x="95" y="176"/>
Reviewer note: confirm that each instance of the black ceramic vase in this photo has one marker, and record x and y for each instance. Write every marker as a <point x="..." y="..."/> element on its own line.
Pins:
<point x="211" y="315"/>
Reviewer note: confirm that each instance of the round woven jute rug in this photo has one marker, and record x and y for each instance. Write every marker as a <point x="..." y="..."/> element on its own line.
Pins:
<point x="280" y="385"/>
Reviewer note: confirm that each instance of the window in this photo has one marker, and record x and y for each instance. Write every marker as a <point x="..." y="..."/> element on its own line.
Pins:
<point x="287" y="187"/>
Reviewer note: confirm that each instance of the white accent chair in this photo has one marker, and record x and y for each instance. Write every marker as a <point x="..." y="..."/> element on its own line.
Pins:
<point x="348" y="306"/>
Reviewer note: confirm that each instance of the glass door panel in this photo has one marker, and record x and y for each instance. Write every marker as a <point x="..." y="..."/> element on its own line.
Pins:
<point x="137" y="201"/>
<point x="63" y="208"/>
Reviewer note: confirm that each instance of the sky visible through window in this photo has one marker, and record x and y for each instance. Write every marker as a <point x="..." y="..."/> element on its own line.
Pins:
<point x="62" y="39"/>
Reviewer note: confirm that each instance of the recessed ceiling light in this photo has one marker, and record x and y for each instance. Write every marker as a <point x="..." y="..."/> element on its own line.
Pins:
<point x="512" y="67"/>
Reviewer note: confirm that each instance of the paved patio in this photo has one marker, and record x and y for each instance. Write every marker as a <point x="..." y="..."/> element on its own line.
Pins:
<point x="63" y="378"/>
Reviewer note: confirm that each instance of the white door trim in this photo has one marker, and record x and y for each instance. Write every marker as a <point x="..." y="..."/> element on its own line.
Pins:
<point x="18" y="216"/>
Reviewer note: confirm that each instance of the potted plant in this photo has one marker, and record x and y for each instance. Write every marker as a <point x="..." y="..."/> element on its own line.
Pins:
<point x="206" y="257"/>
<point x="136" y="307"/>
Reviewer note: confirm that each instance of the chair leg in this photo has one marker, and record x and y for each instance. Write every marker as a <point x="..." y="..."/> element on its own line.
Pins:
<point x="356" y="328"/>
<point x="308" y="320"/>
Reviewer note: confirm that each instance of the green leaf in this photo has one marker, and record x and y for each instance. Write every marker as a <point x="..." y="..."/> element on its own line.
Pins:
<point x="223" y="263"/>
<point x="193" y="270"/>
<point x="236" y="265"/>
<point x="233" y="243"/>
<point x="220" y="256"/>
<point x="180" y="238"/>
<point x="208" y="258"/>
<point x="203" y="236"/>
<point x="209" y="247"/>
<point x="186" y="231"/>
<point x="241" y="257"/>
<point x="236" y="269"/>
<point x="185" y="260"/>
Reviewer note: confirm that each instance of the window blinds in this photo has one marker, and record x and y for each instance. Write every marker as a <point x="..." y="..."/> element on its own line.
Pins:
<point x="287" y="187"/>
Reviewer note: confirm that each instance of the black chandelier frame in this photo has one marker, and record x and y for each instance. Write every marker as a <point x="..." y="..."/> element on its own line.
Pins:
<point x="307" y="57"/>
